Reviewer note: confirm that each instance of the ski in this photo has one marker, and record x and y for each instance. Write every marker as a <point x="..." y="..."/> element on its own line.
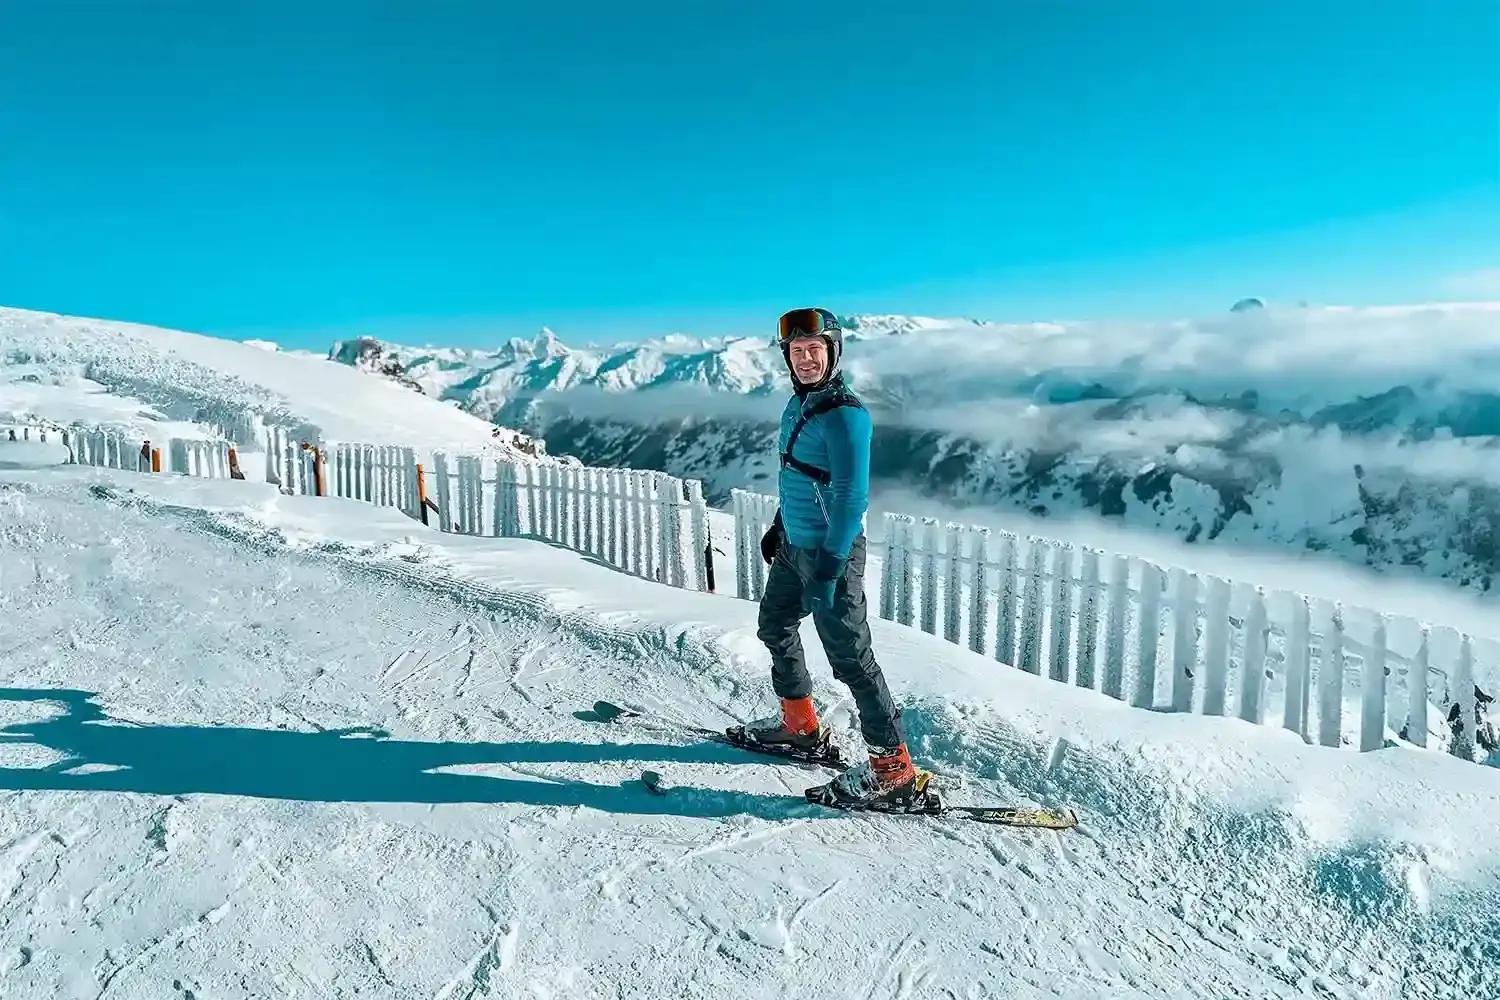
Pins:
<point x="930" y="802"/>
<point x="608" y="712"/>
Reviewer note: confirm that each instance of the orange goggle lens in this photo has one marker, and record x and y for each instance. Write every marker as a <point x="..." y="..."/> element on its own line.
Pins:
<point x="805" y="323"/>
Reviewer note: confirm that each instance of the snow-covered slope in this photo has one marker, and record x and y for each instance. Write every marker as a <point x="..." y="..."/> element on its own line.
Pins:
<point x="68" y="369"/>
<point x="253" y="745"/>
<point x="1367" y="433"/>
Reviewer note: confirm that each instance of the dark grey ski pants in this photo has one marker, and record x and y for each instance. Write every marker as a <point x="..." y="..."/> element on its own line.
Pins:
<point x="845" y="631"/>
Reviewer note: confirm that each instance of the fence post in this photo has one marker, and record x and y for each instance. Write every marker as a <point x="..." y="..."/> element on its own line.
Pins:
<point x="445" y="508"/>
<point x="1331" y="681"/>
<point x="1184" y="638"/>
<point x="155" y="459"/>
<point x="556" y="526"/>
<point x="579" y="513"/>
<point x="462" y="486"/>
<point x="1062" y="611"/>
<point x="1253" y="676"/>
<point x="953" y="587"/>
<point x="1088" y="618"/>
<point x="1463" y="700"/>
<point x="905" y="527"/>
<point x="1215" y="646"/>
<point x="755" y="508"/>
<point x="409" y="464"/>
<point x="617" y="521"/>
<point x="979" y="588"/>
<point x="1117" y="597"/>
<point x="1005" y="610"/>
<point x="887" y="609"/>
<point x="1372" y="691"/>
<point x="600" y="501"/>
<point x="639" y="545"/>
<point x="741" y="548"/>
<point x="653" y="537"/>
<point x="1416" y="694"/>
<point x="929" y="545"/>
<point x="1148" y="634"/>
<point x="1298" y="645"/>
<point x="586" y="509"/>
<point x="1031" y="609"/>
<point x="702" y="543"/>
<point x="512" y="498"/>
<point x="422" y="491"/>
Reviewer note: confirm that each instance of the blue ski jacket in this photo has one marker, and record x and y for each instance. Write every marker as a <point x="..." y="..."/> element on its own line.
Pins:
<point x="831" y="517"/>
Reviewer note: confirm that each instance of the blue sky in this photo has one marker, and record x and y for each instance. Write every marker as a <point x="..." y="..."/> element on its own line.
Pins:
<point x="463" y="172"/>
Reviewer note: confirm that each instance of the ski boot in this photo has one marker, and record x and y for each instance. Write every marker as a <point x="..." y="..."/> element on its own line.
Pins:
<point x="795" y="732"/>
<point x="887" y="782"/>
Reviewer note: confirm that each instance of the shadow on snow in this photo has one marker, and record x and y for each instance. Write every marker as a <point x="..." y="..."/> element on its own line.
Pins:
<point x="348" y="765"/>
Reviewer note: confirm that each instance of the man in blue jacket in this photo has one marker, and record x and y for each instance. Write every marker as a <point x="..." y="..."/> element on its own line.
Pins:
<point x="816" y="549"/>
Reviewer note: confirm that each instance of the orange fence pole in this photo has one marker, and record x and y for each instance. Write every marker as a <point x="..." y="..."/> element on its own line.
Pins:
<point x="422" y="492"/>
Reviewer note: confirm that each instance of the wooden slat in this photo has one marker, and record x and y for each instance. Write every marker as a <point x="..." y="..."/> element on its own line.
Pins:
<point x="1061" y="617"/>
<point x="1148" y="636"/>
<point x="1117" y="598"/>
<point x="1215" y="646"/>
<point x="1372" y="691"/>
<point x="1005" y="604"/>
<point x="1331" y="681"/>
<point x="1253" y="671"/>
<point x="979" y="588"/>
<point x="1184" y="638"/>
<point x="1416" y="693"/>
<point x="1030" y="659"/>
<point x="1298" y="668"/>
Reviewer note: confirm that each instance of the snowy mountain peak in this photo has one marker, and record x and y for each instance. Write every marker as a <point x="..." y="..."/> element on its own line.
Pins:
<point x="546" y="346"/>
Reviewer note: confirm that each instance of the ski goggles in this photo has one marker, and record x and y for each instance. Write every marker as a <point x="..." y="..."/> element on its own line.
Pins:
<point x="806" y="323"/>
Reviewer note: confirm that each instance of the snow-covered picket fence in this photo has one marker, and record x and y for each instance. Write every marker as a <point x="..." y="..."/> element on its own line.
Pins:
<point x="644" y="522"/>
<point x="1165" y="638"/>
<point x="29" y="432"/>
<point x="112" y="448"/>
<point x="292" y="463"/>
<point x="385" y="475"/>
<point x="203" y="459"/>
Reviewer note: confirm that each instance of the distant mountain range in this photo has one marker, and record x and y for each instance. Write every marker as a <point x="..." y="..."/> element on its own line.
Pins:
<point x="1371" y="433"/>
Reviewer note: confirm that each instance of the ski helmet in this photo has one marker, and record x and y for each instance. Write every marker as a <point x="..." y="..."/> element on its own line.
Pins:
<point x="811" y="323"/>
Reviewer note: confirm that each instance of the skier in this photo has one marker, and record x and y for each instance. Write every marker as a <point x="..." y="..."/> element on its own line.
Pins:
<point x="816" y="549"/>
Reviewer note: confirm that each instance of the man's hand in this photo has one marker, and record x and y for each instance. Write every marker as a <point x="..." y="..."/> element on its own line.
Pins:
<point x="770" y="542"/>
<point x="817" y="593"/>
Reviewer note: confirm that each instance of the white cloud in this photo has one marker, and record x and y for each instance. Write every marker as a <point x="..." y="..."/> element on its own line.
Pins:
<point x="1483" y="282"/>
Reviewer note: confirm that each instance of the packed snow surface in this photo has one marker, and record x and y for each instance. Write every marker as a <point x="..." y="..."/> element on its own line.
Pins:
<point x="253" y="745"/>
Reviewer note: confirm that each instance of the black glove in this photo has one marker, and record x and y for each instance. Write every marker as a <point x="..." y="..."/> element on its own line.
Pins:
<point x="770" y="542"/>
<point x="817" y="593"/>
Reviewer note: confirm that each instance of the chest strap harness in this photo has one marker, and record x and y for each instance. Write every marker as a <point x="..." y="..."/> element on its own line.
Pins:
<point x="820" y="476"/>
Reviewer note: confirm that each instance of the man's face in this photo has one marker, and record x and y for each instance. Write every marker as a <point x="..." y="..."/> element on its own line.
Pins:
<point x="809" y="358"/>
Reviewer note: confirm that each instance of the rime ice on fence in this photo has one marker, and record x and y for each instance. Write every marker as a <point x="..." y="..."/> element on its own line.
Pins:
<point x="201" y="459"/>
<point x="383" y="475"/>
<point x="1164" y="639"/>
<point x="753" y="515"/>
<point x="647" y="523"/>
<point x="111" y="448"/>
